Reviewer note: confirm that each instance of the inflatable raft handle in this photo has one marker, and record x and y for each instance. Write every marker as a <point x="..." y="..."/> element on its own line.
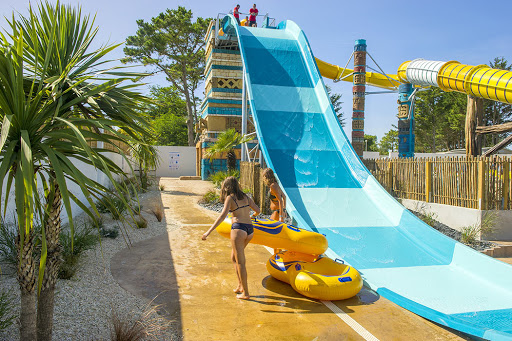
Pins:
<point x="341" y="261"/>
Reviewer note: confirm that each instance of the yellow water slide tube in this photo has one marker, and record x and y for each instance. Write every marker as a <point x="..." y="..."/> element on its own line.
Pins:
<point x="479" y="81"/>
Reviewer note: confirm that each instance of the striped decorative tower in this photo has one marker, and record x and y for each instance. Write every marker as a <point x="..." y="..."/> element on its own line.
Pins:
<point x="405" y="121"/>
<point x="358" y="92"/>
<point x="221" y="108"/>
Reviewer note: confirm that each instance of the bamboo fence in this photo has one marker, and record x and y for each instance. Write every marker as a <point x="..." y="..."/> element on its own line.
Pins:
<point x="252" y="181"/>
<point x="474" y="182"/>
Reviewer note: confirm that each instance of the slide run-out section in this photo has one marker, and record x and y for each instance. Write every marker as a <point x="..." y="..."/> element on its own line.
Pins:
<point x="330" y="191"/>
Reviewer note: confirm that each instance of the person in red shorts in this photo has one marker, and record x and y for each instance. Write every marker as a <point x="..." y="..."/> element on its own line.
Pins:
<point x="252" y="18"/>
<point x="236" y="14"/>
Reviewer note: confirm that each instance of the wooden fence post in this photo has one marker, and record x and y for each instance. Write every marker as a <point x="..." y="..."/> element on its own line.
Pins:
<point x="506" y="183"/>
<point x="390" y="177"/>
<point x="482" y="184"/>
<point x="428" y="181"/>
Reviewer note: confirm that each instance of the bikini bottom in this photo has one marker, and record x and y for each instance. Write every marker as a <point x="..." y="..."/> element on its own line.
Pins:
<point x="244" y="227"/>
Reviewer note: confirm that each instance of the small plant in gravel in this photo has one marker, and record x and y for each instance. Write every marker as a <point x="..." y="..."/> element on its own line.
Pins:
<point x="113" y="204"/>
<point x="211" y="197"/>
<point x="158" y="211"/>
<point x="218" y="178"/>
<point x="471" y="234"/>
<point x="140" y="222"/>
<point x="106" y="232"/>
<point x="162" y="187"/>
<point x="428" y="218"/>
<point x="6" y="310"/>
<point x="109" y="232"/>
<point x="147" y="326"/>
<point x="83" y="239"/>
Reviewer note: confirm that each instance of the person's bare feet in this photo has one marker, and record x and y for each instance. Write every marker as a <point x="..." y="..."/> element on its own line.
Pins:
<point x="238" y="290"/>
<point x="243" y="296"/>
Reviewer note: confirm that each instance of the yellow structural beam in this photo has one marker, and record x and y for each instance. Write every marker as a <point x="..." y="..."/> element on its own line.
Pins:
<point x="372" y="78"/>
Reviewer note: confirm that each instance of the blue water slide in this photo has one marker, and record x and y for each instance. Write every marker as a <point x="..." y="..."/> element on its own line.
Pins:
<point x="330" y="191"/>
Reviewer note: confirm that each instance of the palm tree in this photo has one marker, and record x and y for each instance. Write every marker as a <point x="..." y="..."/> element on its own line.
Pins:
<point x="226" y="143"/>
<point x="55" y="95"/>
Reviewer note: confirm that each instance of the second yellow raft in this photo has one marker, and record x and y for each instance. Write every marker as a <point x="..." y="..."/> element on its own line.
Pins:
<point x="320" y="278"/>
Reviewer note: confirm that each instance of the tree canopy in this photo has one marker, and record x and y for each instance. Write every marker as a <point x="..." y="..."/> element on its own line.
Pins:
<point x="168" y="116"/>
<point x="389" y="141"/>
<point x="336" y="103"/>
<point x="371" y="143"/>
<point x="173" y="43"/>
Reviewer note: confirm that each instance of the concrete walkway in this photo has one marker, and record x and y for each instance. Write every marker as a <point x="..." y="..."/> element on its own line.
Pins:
<point x="194" y="280"/>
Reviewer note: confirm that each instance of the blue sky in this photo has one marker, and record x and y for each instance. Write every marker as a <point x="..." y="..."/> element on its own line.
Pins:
<point x="471" y="32"/>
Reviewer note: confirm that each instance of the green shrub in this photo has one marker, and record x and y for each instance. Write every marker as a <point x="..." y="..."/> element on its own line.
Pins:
<point x="211" y="197"/>
<point x="113" y="204"/>
<point x="6" y="311"/>
<point x="145" y="181"/>
<point x="83" y="239"/>
<point x="489" y="221"/>
<point x="218" y="178"/>
<point x="8" y="251"/>
<point x="470" y="234"/>
<point x="162" y="188"/>
<point x="109" y="232"/>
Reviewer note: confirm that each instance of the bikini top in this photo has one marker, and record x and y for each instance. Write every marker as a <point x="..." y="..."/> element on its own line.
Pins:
<point x="237" y="207"/>
<point x="272" y="196"/>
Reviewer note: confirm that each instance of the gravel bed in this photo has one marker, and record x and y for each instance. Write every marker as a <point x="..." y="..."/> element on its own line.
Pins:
<point x="479" y="245"/>
<point x="446" y="230"/>
<point x="83" y="305"/>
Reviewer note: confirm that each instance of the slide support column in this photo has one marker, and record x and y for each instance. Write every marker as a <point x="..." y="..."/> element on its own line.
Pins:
<point x="243" y="156"/>
<point x="358" y="92"/>
<point x="405" y="121"/>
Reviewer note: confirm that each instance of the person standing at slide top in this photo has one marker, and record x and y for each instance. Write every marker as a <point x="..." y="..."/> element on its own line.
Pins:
<point x="236" y="14"/>
<point x="242" y="231"/>
<point x="252" y="18"/>
<point x="277" y="197"/>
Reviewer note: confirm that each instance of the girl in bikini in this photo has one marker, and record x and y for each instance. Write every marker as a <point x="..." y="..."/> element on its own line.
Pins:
<point x="239" y="204"/>
<point x="277" y="197"/>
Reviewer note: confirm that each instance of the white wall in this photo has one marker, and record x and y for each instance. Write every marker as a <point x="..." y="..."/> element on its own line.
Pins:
<point x="86" y="169"/>
<point x="459" y="217"/>
<point x="183" y="161"/>
<point x="370" y="155"/>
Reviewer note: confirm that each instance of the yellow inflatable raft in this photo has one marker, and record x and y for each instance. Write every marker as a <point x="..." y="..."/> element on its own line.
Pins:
<point x="320" y="278"/>
<point x="278" y="235"/>
<point x="302" y="265"/>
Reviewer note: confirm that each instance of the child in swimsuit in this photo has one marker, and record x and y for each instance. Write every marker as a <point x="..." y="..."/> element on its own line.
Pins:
<point x="277" y="197"/>
<point x="240" y="205"/>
